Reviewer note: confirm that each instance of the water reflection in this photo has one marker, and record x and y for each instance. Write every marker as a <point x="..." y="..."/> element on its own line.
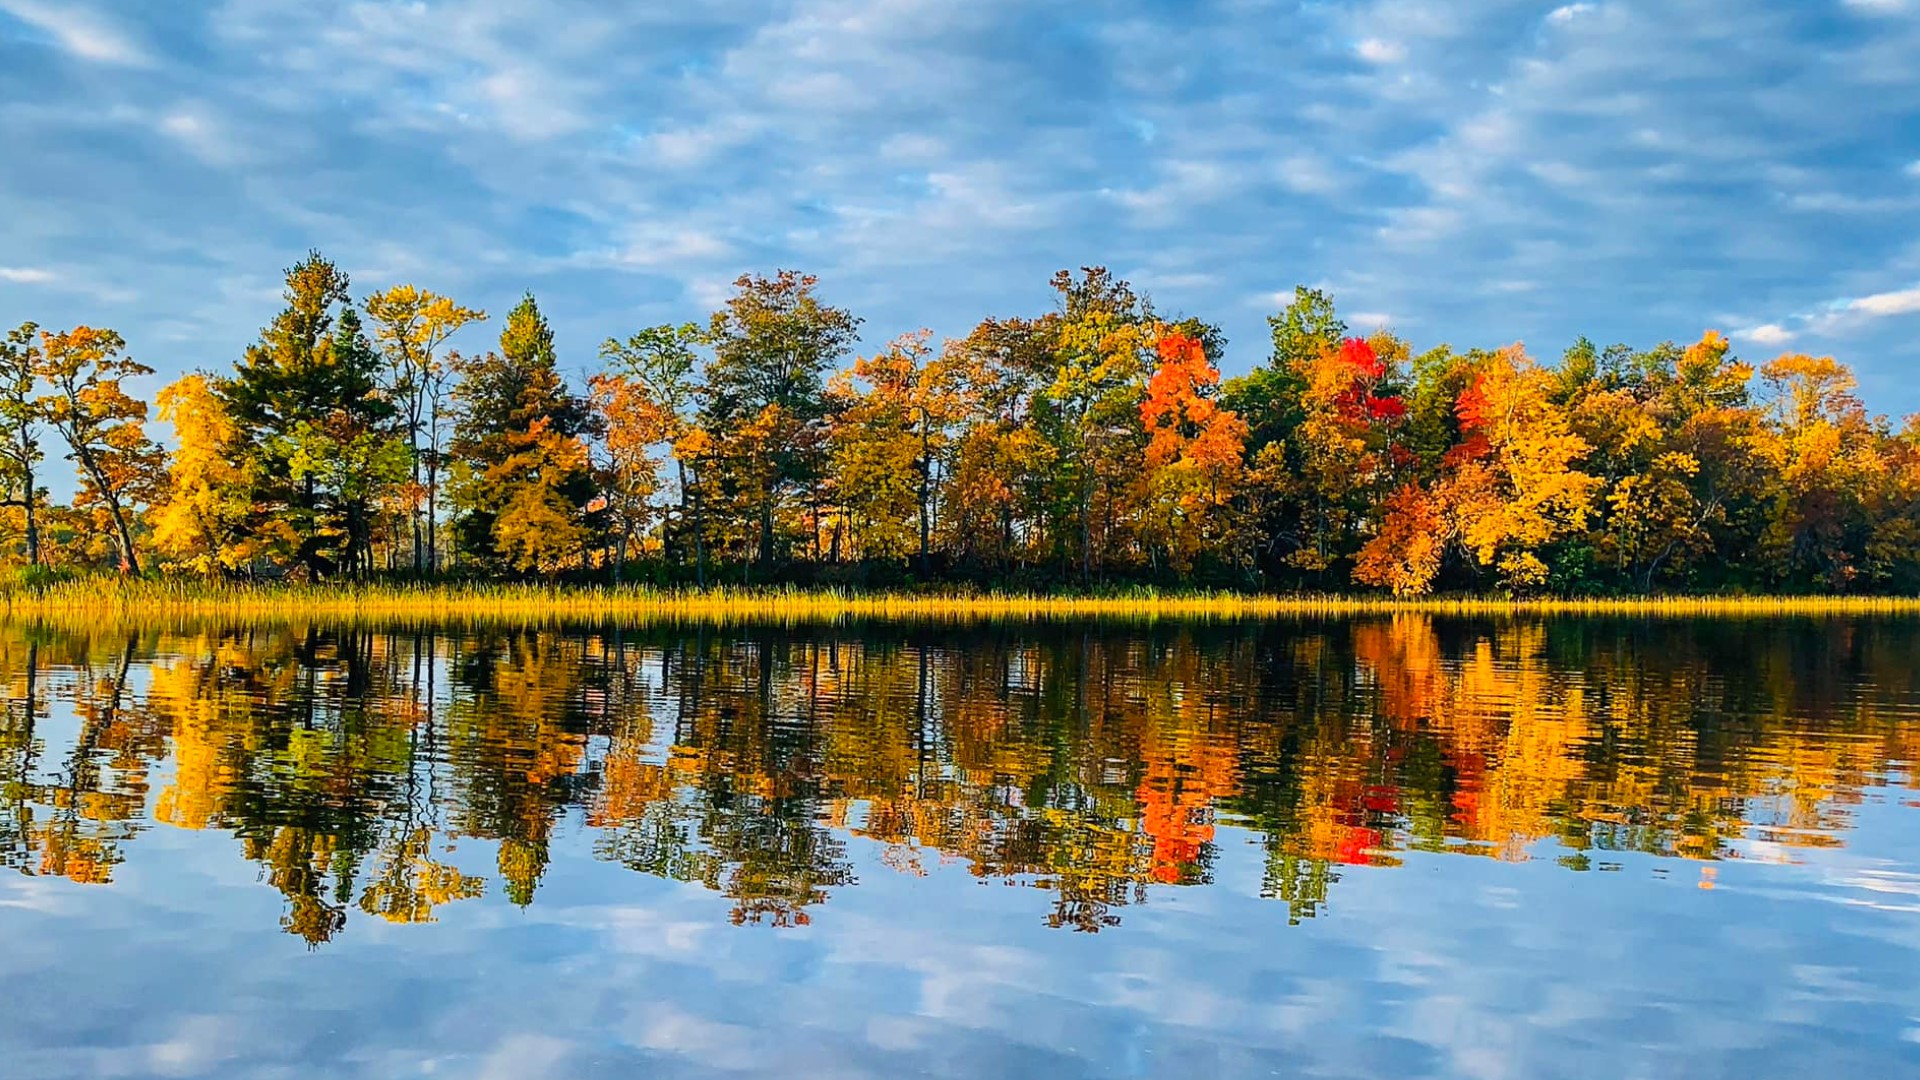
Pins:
<point x="1094" y="766"/>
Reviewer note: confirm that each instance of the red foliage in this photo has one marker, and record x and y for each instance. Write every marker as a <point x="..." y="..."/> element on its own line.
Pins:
<point x="1357" y="354"/>
<point x="1386" y="408"/>
<point x="1474" y="448"/>
<point x="1471" y="407"/>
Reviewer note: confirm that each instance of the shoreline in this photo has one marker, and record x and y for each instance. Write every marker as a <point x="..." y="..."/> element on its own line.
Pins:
<point x="159" y="600"/>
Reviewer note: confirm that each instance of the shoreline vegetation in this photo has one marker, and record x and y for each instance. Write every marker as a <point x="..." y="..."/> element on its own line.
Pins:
<point x="133" y="601"/>
<point x="1040" y="464"/>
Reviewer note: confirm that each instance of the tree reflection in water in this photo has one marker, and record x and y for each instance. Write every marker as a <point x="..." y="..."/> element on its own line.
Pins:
<point x="1093" y="764"/>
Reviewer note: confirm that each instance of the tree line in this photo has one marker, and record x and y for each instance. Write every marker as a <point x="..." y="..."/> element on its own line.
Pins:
<point x="1090" y="445"/>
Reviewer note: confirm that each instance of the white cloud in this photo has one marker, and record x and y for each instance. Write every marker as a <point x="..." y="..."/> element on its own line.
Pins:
<point x="1568" y="13"/>
<point x="1879" y="7"/>
<point x="1881" y="305"/>
<point x="1837" y="317"/>
<point x="77" y="30"/>
<point x="25" y="275"/>
<point x="1766" y="334"/>
<point x="1912" y="169"/>
<point x="1379" y="51"/>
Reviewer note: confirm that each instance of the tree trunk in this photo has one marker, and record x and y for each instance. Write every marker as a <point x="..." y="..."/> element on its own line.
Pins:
<point x="926" y="496"/>
<point x="29" y="505"/>
<point x="1086" y="529"/>
<point x="699" y="541"/>
<point x="766" y="535"/>
<point x="433" y="513"/>
<point x="129" y="562"/>
<point x="413" y="511"/>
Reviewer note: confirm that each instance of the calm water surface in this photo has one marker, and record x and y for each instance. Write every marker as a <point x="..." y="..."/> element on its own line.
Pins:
<point x="1397" y="848"/>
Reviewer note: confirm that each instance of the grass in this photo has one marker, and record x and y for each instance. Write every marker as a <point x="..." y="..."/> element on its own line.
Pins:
<point x="117" y="600"/>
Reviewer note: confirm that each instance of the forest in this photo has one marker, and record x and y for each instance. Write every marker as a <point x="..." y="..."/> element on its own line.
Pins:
<point x="1091" y="446"/>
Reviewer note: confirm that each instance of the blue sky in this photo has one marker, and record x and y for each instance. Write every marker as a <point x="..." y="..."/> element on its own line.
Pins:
<point x="1473" y="173"/>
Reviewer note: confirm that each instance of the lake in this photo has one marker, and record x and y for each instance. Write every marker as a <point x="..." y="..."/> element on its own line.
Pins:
<point x="1387" y="847"/>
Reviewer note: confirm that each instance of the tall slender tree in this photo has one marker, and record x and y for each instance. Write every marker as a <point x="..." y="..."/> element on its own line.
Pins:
<point x="21" y="416"/>
<point x="410" y="326"/>
<point x="664" y="363"/>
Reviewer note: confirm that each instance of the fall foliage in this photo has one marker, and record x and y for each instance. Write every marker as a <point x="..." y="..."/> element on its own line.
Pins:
<point x="1095" y="444"/>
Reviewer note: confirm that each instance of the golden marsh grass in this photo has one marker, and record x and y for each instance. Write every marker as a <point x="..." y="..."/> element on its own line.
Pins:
<point x="120" y="601"/>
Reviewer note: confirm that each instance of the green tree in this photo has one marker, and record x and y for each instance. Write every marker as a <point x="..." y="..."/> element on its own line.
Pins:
<point x="764" y="399"/>
<point x="308" y="390"/>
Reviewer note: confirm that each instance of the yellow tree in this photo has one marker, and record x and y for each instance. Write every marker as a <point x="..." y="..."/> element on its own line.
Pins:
<point x="103" y="426"/>
<point x="1666" y="429"/>
<point x="994" y="498"/>
<point x="201" y="520"/>
<point x="1514" y="485"/>
<point x="1825" y="454"/>
<point x="534" y="526"/>
<point x="410" y="324"/>
<point x="1508" y="489"/>
<point x="890" y="441"/>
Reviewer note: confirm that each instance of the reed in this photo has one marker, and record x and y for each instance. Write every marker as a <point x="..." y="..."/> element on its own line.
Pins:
<point x="119" y="601"/>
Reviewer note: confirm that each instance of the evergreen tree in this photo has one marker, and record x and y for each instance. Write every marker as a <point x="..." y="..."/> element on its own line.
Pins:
<point x="523" y="479"/>
<point x="313" y="429"/>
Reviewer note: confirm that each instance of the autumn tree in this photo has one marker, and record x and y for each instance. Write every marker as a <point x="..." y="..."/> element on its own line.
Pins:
<point x="523" y="479"/>
<point x="659" y="370"/>
<point x="1825" y="455"/>
<point x="890" y="440"/>
<point x="999" y="483"/>
<point x="1271" y="399"/>
<point x="631" y="424"/>
<point x="201" y="521"/>
<point x="1341" y="457"/>
<point x="1091" y="411"/>
<point x="764" y="400"/>
<point x="411" y="325"/>
<point x="1269" y="396"/>
<point x="1194" y="451"/>
<point x="84" y="371"/>
<point x="1515" y="485"/>
<point x="1663" y="426"/>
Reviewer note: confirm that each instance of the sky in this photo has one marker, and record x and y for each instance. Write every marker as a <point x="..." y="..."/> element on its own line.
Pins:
<point x="1475" y="174"/>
